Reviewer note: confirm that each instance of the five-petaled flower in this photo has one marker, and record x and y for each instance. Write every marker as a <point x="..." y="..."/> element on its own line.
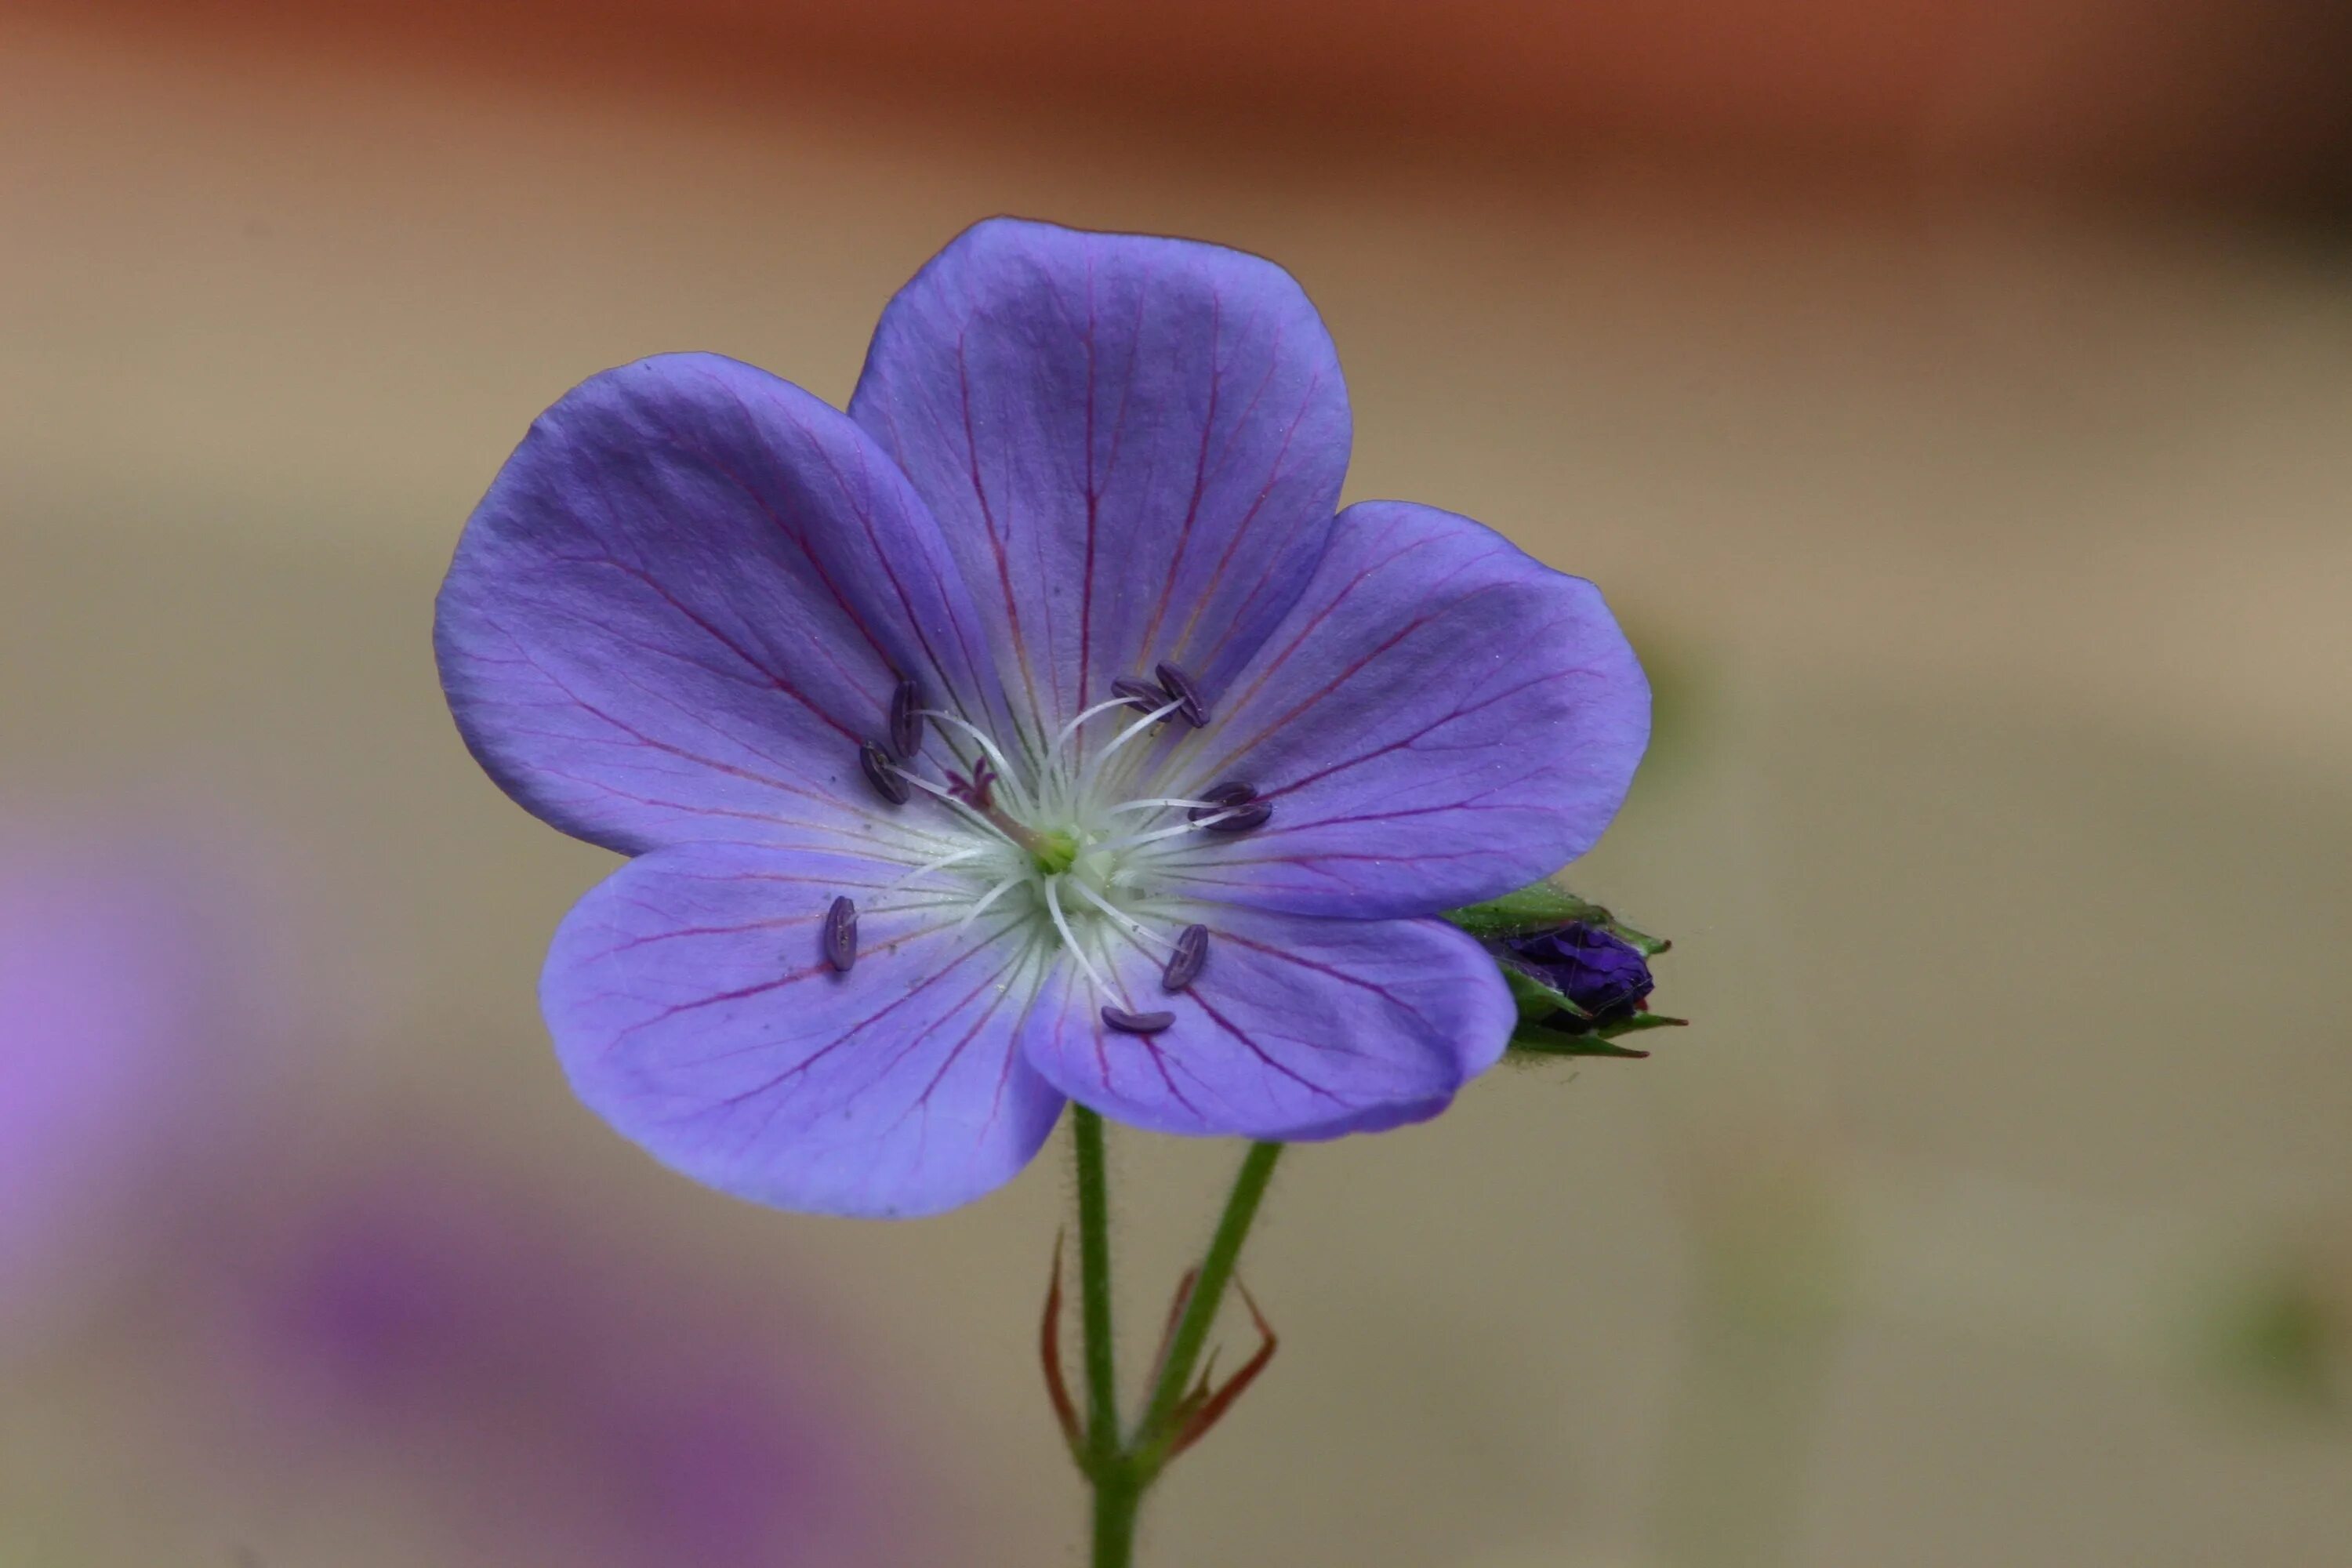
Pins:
<point x="1035" y="729"/>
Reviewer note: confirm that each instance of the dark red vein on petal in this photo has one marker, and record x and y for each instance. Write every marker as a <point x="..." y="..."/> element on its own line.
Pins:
<point x="988" y="521"/>
<point x="1230" y="1027"/>
<point x="1200" y="475"/>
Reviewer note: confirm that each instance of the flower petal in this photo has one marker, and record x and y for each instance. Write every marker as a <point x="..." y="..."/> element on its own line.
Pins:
<point x="1296" y="1028"/>
<point x="1440" y="718"/>
<point x="693" y="1009"/>
<point x="687" y="598"/>
<point x="1134" y="445"/>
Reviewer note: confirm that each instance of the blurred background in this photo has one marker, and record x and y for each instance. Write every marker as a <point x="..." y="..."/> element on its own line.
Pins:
<point x="1955" y="401"/>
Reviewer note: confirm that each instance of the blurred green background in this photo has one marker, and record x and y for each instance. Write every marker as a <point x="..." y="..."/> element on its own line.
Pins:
<point x="1956" y="404"/>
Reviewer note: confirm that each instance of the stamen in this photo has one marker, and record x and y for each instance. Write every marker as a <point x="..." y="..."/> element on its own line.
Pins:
<point x="1036" y="822"/>
<point x="1212" y="801"/>
<point x="1191" y="954"/>
<point x="1133" y="927"/>
<point x="888" y="782"/>
<point x="1134" y="840"/>
<point x="938" y="902"/>
<point x="841" y="934"/>
<point x="1069" y="939"/>
<point x="1160" y="803"/>
<point x="1240" y="818"/>
<point x="987" y="898"/>
<point x="1137" y="693"/>
<point x="1071" y="728"/>
<point x="952" y="857"/>
<point x="1095" y="764"/>
<point x="1127" y="1022"/>
<point x="907" y="719"/>
<point x="1190" y="706"/>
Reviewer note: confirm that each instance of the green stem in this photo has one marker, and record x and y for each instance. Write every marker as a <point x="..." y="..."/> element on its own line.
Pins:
<point x="1118" y="1497"/>
<point x="1185" y="1347"/>
<point x="1120" y="1472"/>
<point x="1094" y="1287"/>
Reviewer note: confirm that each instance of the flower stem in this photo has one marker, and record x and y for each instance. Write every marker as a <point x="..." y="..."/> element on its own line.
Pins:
<point x="1094" y="1287"/>
<point x="1184" y="1346"/>
<point x="1118" y="1499"/>
<point x="1120" y="1471"/>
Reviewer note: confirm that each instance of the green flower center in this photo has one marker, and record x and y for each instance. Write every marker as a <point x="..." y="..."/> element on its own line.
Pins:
<point x="1054" y="851"/>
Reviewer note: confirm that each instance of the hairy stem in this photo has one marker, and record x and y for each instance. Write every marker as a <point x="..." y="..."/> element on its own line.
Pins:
<point x="1118" y="1471"/>
<point x="1094" y="1287"/>
<point x="1191" y="1336"/>
<point x="1118" y="1497"/>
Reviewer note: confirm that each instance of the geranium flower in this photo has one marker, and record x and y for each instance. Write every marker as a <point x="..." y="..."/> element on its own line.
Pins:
<point x="1035" y="729"/>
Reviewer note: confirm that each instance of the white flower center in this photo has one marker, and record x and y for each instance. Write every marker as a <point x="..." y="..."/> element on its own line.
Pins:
<point x="1068" y="846"/>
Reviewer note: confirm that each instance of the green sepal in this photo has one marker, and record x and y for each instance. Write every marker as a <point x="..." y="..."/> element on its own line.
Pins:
<point x="1538" y="906"/>
<point x="1536" y="1000"/>
<point x="1533" y="1039"/>
<point x="1637" y="1023"/>
<point x="1542" y="906"/>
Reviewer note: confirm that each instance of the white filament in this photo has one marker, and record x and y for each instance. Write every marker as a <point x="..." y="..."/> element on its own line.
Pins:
<point x="1126" y="851"/>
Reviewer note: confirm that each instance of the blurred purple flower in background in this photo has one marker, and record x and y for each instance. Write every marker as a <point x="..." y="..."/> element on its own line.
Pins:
<point x="327" y="1332"/>
<point x="128" y="1016"/>
<point x="1036" y="729"/>
<point x="545" y="1400"/>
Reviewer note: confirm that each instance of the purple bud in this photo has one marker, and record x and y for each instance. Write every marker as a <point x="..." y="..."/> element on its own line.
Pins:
<point x="1600" y="973"/>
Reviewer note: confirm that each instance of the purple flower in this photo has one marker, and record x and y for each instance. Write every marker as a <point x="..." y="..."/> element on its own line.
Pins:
<point x="125" y="1019"/>
<point x="1601" y="973"/>
<point x="547" y="1402"/>
<point x="1049" y="653"/>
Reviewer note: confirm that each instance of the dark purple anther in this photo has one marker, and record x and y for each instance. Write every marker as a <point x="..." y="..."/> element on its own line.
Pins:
<point x="881" y="774"/>
<point x="1136" y="1023"/>
<point x="1179" y="685"/>
<point x="1184" y="963"/>
<point x="841" y="934"/>
<point x="1140" y="694"/>
<point x="1217" y="798"/>
<point x="1240" y="818"/>
<point x="906" y="720"/>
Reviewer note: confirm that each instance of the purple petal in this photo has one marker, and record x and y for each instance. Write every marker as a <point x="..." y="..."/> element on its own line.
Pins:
<point x="694" y="1010"/>
<point x="1295" y="1028"/>
<point x="687" y="598"/>
<point x="1440" y="720"/>
<point x="1134" y="445"/>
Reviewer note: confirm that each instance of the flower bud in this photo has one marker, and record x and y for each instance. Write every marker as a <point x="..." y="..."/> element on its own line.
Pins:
<point x="1581" y="977"/>
<point x="1604" y="977"/>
